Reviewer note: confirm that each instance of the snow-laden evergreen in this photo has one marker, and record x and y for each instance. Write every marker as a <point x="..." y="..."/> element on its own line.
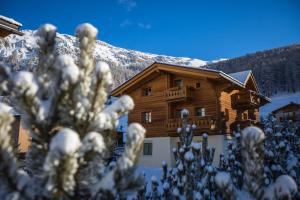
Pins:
<point x="72" y="132"/>
<point x="193" y="175"/>
<point x="282" y="150"/>
<point x="256" y="166"/>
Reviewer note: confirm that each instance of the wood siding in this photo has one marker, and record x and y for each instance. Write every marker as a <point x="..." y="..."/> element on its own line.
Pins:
<point x="198" y="89"/>
<point x="154" y="103"/>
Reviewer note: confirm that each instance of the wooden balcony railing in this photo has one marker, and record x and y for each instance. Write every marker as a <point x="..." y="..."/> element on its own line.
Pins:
<point x="243" y="124"/>
<point x="246" y="99"/>
<point x="179" y="93"/>
<point x="205" y="123"/>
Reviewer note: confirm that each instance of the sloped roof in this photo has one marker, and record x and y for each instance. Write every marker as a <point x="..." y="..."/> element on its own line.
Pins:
<point x="239" y="79"/>
<point x="10" y="20"/>
<point x="157" y="66"/>
<point x="241" y="76"/>
<point x="10" y="25"/>
<point x="290" y="104"/>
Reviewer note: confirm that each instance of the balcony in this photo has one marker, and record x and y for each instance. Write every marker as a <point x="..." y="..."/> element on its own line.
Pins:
<point x="202" y="123"/>
<point x="243" y="124"/>
<point x="245" y="100"/>
<point x="179" y="94"/>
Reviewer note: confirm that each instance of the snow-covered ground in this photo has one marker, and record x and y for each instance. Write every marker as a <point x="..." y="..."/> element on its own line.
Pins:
<point x="150" y="171"/>
<point x="278" y="101"/>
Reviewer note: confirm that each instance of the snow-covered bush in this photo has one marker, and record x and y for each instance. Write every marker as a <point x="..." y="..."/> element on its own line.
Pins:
<point x="232" y="162"/>
<point x="193" y="174"/>
<point x="62" y="103"/>
<point x="242" y="173"/>
<point x="245" y="177"/>
<point x="282" y="150"/>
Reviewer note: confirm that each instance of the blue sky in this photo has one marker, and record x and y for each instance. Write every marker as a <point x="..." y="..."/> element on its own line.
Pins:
<point x="206" y="30"/>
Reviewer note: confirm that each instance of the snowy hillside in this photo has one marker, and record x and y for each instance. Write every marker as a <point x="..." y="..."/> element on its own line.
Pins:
<point x="21" y="53"/>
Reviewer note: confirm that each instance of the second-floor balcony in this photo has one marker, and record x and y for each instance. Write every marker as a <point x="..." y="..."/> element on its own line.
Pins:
<point x="179" y="93"/>
<point x="241" y="124"/>
<point x="245" y="99"/>
<point x="203" y="123"/>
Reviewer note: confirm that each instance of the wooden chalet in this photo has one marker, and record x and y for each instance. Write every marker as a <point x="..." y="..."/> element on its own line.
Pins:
<point x="19" y="134"/>
<point x="9" y="26"/>
<point x="290" y="111"/>
<point x="217" y="103"/>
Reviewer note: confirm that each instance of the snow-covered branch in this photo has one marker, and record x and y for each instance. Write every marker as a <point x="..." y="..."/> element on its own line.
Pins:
<point x="72" y="131"/>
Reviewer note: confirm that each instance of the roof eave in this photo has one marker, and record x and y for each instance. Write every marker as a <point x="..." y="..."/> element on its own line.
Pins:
<point x="230" y="78"/>
<point x="11" y="30"/>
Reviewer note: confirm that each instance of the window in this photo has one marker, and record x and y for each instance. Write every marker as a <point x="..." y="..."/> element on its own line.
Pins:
<point x="146" y="117"/>
<point x="198" y="85"/>
<point x="147" y="149"/>
<point x="226" y="114"/>
<point x="200" y="112"/>
<point x="245" y="116"/>
<point x="178" y="83"/>
<point x="281" y="119"/>
<point x="147" y="91"/>
<point x="251" y="114"/>
<point x="177" y="113"/>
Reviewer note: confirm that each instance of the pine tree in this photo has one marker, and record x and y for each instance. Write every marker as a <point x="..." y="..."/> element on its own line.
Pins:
<point x="253" y="185"/>
<point x="242" y="173"/>
<point x="282" y="150"/>
<point x="63" y="104"/>
<point x="193" y="174"/>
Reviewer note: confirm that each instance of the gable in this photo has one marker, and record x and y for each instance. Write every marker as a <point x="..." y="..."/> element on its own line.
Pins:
<point x="157" y="68"/>
<point x="241" y="76"/>
<point x="289" y="107"/>
<point x="251" y="84"/>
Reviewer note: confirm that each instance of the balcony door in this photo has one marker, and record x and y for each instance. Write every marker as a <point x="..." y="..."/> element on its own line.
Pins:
<point x="178" y="83"/>
<point x="177" y="113"/>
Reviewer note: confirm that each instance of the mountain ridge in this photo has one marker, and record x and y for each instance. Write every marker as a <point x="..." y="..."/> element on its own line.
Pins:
<point x="268" y="66"/>
<point x="276" y="70"/>
<point x="21" y="53"/>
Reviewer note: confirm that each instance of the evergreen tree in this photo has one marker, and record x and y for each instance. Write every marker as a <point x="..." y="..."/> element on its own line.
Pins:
<point x="282" y="150"/>
<point x="253" y="184"/>
<point x="63" y="105"/>
<point x="193" y="174"/>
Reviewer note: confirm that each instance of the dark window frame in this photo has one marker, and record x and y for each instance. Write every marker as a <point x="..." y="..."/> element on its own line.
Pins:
<point x="203" y="112"/>
<point x="226" y="114"/>
<point x="146" y="117"/>
<point x="176" y="81"/>
<point x="147" y="91"/>
<point x="148" y="149"/>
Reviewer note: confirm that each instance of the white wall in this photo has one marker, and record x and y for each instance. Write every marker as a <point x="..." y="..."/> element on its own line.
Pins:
<point x="162" y="149"/>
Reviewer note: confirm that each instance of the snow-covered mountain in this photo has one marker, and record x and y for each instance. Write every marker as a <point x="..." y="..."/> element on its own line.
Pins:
<point x="276" y="70"/>
<point x="21" y="52"/>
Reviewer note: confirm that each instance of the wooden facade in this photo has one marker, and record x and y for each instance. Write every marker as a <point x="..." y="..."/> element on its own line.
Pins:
<point x="290" y="111"/>
<point x="216" y="101"/>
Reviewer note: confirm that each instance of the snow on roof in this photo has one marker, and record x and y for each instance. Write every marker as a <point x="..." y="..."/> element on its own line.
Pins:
<point x="240" y="76"/>
<point x="10" y="20"/>
<point x="279" y="101"/>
